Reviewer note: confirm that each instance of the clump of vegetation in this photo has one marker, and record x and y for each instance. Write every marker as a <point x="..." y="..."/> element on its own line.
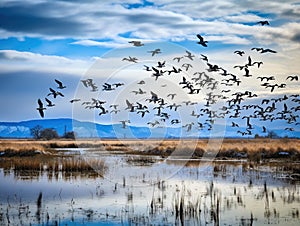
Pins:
<point x="28" y="149"/>
<point x="54" y="165"/>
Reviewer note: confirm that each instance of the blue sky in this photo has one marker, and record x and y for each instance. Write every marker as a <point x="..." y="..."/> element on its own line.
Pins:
<point x="45" y="40"/>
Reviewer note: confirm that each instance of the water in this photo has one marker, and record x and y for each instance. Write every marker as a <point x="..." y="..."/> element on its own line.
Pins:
<point x="151" y="190"/>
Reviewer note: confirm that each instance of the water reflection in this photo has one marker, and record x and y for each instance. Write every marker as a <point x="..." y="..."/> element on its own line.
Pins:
<point x="134" y="189"/>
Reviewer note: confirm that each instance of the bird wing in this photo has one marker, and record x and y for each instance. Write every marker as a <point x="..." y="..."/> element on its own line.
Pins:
<point x="269" y="50"/>
<point x="41" y="113"/>
<point x="249" y="61"/>
<point x="108" y="85"/>
<point x="128" y="103"/>
<point x="48" y="101"/>
<point x="200" y="37"/>
<point x="156" y="70"/>
<point x="153" y="94"/>
<point x="58" y="82"/>
<point x="102" y="108"/>
<point x="40" y="103"/>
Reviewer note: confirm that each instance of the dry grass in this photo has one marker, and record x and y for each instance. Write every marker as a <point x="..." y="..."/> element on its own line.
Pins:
<point x="162" y="147"/>
<point x="53" y="165"/>
<point x="18" y="145"/>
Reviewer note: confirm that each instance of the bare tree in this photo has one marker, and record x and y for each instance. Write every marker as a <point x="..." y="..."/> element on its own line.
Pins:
<point x="36" y="132"/>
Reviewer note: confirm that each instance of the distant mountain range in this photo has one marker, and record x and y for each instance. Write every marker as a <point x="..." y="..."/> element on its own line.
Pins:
<point x="90" y="129"/>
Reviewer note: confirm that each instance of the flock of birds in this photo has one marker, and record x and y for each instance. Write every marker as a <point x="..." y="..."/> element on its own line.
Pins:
<point x="215" y="84"/>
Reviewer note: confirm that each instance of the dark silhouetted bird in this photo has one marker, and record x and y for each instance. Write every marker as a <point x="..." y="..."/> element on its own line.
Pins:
<point x="60" y="84"/>
<point x="55" y="93"/>
<point x="124" y="123"/>
<point x="189" y="55"/>
<point x="241" y="53"/>
<point x="130" y="59"/>
<point x="203" y="57"/>
<point x="263" y="22"/>
<point x="136" y="43"/>
<point x="267" y="51"/>
<point x="154" y="52"/>
<point x="50" y="104"/>
<point x="178" y="59"/>
<point x="292" y="77"/>
<point x="201" y="41"/>
<point x="41" y="108"/>
<point x="74" y="100"/>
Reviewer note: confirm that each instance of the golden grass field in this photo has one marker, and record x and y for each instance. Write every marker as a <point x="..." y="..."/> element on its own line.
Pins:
<point x="36" y="155"/>
<point x="237" y="145"/>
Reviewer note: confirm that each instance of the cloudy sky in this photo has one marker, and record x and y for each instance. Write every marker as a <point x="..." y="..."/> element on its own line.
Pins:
<point x="44" y="40"/>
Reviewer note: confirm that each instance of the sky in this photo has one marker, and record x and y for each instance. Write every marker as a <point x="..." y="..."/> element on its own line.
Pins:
<point x="43" y="40"/>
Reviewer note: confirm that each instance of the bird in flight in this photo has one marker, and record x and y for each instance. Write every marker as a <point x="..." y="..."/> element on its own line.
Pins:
<point x="172" y="95"/>
<point x="201" y="41"/>
<point x="203" y="57"/>
<point x="178" y="59"/>
<point x="107" y="87"/>
<point x="140" y="91"/>
<point x="136" y="43"/>
<point x="262" y="50"/>
<point x="124" y="123"/>
<point x="41" y="108"/>
<point x="54" y="93"/>
<point x="153" y="52"/>
<point x="74" y="100"/>
<point x="130" y="59"/>
<point x="60" y="84"/>
<point x="263" y="22"/>
<point x="268" y="51"/>
<point x="189" y="55"/>
<point x="239" y="52"/>
<point x="247" y="72"/>
<point x="147" y="68"/>
<point x="266" y="77"/>
<point x="161" y="64"/>
<point x="50" y="104"/>
<point x="88" y="82"/>
<point x="292" y="77"/>
<point x="186" y="66"/>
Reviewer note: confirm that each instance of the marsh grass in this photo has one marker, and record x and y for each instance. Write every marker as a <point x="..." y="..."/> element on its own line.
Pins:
<point x="38" y="165"/>
<point x="253" y="149"/>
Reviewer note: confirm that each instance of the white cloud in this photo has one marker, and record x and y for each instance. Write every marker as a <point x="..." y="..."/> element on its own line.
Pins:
<point x="12" y="60"/>
<point x="87" y="42"/>
<point x="92" y="21"/>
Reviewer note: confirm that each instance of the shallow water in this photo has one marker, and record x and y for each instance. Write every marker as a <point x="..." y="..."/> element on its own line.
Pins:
<point x="152" y="190"/>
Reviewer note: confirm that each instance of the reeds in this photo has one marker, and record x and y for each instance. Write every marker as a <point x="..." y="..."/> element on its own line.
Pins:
<point x="35" y="166"/>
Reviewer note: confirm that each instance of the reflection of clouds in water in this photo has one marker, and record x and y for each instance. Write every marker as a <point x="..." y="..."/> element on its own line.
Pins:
<point x="105" y="200"/>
